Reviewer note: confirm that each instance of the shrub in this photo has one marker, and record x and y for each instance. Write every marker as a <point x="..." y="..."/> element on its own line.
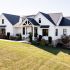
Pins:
<point x="50" y="40"/>
<point x="8" y="35"/>
<point x="18" y="37"/>
<point x="40" y="38"/>
<point x="43" y="42"/>
<point x="34" y="43"/>
<point x="59" y="45"/>
<point x="12" y="38"/>
<point x="3" y="37"/>
<point x="65" y="39"/>
<point x="30" y="37"/>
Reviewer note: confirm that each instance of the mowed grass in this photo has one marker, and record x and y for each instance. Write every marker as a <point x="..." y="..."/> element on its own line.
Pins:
<point x="22" y="56"/>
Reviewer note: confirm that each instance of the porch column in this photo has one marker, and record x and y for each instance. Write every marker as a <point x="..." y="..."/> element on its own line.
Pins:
<point x="33" y="32"/>
<point x="25" y="32"/>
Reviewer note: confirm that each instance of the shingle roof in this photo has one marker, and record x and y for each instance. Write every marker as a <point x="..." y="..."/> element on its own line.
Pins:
<point x="29" y="16"/>
<point x="13" y="19"/>
<point x="65" y="21"/>
<point x="32" y="21"/>
<point x="52" y="17"/>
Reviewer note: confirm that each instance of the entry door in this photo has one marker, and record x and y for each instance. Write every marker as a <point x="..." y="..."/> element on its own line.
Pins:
<point x="45" y="32"/>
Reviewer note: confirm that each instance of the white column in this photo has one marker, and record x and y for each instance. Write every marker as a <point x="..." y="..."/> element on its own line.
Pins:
<point x="33" y="32"/>
<point x="25" y="32"/>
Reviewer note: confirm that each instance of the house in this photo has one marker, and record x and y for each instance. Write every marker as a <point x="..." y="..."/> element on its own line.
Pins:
<point x="7" y="21"/>
<point x="52" y="24"/>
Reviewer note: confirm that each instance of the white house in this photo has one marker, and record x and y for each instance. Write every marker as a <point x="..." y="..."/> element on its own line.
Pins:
<point x="52" y="24"/>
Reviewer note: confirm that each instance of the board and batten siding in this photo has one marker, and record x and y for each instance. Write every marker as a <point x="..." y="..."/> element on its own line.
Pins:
<point x="60" y="31"/>
<point x="9" y="26"/>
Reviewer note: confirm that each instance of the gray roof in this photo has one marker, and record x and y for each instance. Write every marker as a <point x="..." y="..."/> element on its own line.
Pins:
<point x="52" y="17"/>
<point x="65" y="21"/>
<point x="13" y="19"/>
<point x="29" y="16"/>
<point x="2" y="25"/>
<point x="32" y="21"/>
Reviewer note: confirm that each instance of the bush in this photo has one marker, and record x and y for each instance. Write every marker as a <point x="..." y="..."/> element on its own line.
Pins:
<point x="8" y="35"/>
<point x="43" y="42"/>
<point x="30" y="37"/>
<point x="3" y="37"/>
<point x="40" y="38"/>
<point x="59" y="45"/>
<point x="12" y="38"/>
<point x="65" y="39"/>
<point x="34" y="43"/>
<point x="18" y="37"/>
<point x="50" y="40"/>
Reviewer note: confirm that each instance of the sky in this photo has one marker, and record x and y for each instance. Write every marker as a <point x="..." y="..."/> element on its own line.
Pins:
<point x="30" y="7"/>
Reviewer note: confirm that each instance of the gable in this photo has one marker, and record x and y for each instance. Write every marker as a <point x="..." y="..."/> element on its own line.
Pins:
<point x="55" y="18"/>
<point x="29" y="21"/>
<point x="32" y="21"/>
<point x="13" y="19"/>
<point x="44" y="20"/>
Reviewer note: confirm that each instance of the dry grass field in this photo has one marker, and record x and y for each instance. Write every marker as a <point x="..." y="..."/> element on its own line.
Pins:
<point x="22" y="56"/>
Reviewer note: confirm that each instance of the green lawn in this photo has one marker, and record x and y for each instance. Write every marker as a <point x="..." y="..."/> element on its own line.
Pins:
<point x="21" y="56"/>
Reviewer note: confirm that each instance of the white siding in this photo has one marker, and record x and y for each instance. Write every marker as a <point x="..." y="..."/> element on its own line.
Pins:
<point x="9" y="26"/>
<point x="44" y="21"/>
<point x="17" y="30"/>
<point x="60" y="31"/>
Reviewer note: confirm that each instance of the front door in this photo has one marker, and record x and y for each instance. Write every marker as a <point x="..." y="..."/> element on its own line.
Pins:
<point x="45" y="32"/>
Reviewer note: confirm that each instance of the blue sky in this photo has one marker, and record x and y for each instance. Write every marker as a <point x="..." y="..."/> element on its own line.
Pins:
<point x="28" y="7"/>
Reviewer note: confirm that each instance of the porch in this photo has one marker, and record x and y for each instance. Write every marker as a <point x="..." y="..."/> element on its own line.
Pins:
<point x="29" y="29"/>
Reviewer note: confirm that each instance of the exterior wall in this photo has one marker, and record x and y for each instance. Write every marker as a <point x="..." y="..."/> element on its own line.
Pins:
<point x="9" y="26"/>
<point x="17" y="30"/>
<point x="60" y="31"/>
<point x="51" y="32"/>
<point x="44" y="20"/>
<point x="29" y="29"/>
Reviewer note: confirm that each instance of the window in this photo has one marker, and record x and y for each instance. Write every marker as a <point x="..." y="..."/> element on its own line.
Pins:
<point x="23" y="30"/>
<point x="25" y="23"/>
<point x="56" y="33"/>
<point x="64" y="31"/>
<point x="29" y="23"/>
<point x="45" y="32"/>
<point x="3" y="31"/>
<point x="2" y="21"/>
<point x="39" y="20"/>
<point x="35" y="33"/>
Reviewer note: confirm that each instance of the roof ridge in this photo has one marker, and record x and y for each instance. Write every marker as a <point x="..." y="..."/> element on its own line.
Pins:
<point x="11" y="14"/>
<point x="52" y="13"/>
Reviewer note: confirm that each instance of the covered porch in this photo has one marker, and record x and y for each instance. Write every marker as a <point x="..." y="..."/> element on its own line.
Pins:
<point x="29" y="25"/>
<point x="29" y="29"/>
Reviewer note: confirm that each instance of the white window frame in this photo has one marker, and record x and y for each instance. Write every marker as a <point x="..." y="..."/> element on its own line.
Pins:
<point x="64" y="31"/>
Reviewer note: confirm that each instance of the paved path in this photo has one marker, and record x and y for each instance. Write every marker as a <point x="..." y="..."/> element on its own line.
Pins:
<point x="15" y="41"/>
